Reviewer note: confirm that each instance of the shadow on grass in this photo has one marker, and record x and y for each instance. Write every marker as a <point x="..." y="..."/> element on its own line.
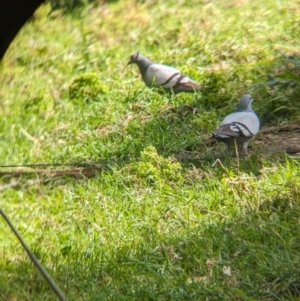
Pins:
<point x="220" y="258"/>
<point x="279" y="90"/>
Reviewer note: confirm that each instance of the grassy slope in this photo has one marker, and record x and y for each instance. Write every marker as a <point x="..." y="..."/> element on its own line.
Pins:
<point x="149" y="228"/>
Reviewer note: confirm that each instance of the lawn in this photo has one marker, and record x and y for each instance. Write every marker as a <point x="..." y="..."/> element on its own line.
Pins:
<point x="162" y="213"/>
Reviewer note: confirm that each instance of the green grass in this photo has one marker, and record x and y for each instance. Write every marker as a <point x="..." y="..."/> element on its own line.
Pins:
<point x="150" y="227"/>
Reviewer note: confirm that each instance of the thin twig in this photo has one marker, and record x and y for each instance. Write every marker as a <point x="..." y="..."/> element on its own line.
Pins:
<point x="50" y="281"/>
<point x="75" y="172"/>
<point x="218" y="161"/>
<point x="237" y="156"/>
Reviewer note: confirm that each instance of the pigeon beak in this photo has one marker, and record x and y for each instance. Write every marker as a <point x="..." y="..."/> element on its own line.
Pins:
<point x="129" y="63"/>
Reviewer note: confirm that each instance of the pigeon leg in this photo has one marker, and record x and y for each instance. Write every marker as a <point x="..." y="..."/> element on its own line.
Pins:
<point x="245" y="148"/>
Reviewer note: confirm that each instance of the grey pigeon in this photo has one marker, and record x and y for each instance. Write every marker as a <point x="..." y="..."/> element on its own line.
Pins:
<point x="161" y="76"/>
<point x="240" y="126"/>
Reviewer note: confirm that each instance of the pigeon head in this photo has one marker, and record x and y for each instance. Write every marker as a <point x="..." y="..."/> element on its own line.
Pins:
<point x="245" y="103"/>
<point x="142" y="62"/>
<point x="134" y="58"/>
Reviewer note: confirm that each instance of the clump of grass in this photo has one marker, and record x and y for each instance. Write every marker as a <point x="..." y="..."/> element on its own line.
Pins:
<point x="153" y="168"/>
<point x="86" y="87"/>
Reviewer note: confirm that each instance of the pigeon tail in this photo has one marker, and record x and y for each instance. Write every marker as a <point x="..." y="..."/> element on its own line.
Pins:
<point x="189" y="87"/>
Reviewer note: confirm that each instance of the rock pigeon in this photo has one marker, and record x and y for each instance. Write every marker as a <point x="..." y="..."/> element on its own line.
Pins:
<point x="240" y="126"/>
<point x="161" y="76"/>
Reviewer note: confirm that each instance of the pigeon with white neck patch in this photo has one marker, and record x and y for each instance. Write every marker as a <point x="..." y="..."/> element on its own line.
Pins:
<point x="161" y="76"/>
<point x="239" y="127"/>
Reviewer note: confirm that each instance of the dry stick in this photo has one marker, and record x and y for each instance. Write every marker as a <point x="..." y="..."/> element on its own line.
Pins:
<point x="88" y="171"/>
<point x="102" y="163"/>
<point x="237" y="156"/>
<point x="76" y="164"/>
<point x="219" y="161"/>
<point x="50" y="281"/>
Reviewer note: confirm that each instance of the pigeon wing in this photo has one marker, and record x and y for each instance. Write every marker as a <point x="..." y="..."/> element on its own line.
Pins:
<point x="246" y="123"/>
<point x="158" y="75"/>
<point x="232" y="130"/>
<point x="169" y="78"/>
